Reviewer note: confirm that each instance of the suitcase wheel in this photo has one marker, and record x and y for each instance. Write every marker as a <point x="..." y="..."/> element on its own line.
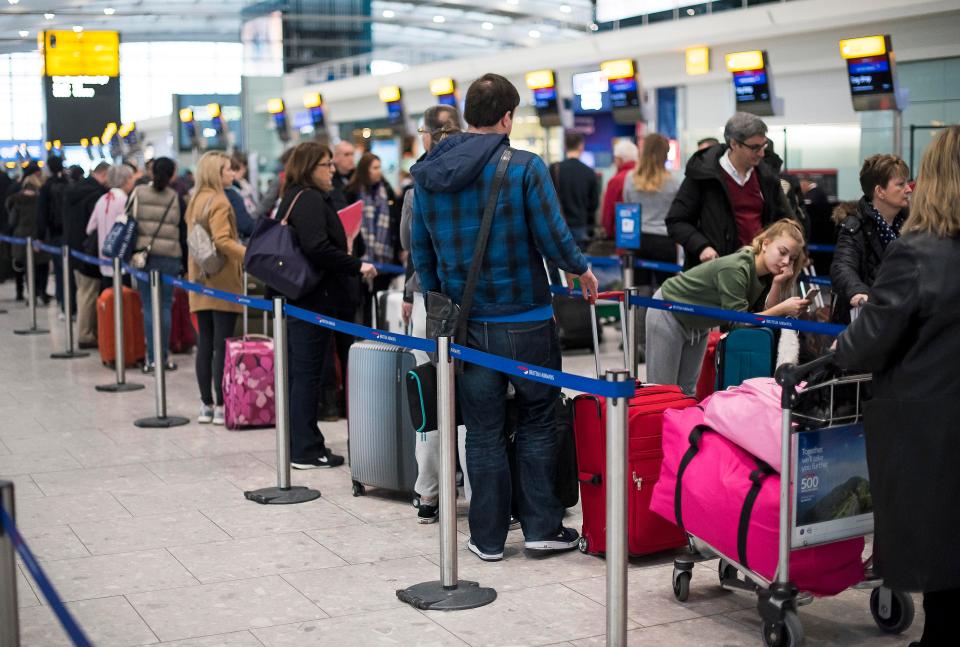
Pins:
<point x="583" y="545"/>
<point x="358" y="489"/>
<point x="893" y="611"/>
<point x="785" y="633"/>
<point x="681" y="585"/>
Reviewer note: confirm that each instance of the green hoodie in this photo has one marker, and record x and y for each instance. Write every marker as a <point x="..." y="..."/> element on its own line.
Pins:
<point x="729" y="282"/>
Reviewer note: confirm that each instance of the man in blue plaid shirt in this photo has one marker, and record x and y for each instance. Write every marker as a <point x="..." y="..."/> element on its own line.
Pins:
<point x="511" y="316"/>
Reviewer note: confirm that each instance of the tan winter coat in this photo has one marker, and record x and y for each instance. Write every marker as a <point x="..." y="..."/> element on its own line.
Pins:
<point x="222" y="225"/>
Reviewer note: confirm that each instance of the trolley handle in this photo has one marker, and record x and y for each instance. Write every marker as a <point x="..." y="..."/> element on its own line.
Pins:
<point x="788" y="376"/>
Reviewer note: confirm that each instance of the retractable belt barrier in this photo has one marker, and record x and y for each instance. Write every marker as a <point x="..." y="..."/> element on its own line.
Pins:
<point x="829" y="249"/>
<point x="50" y="249"/>
<point x="92" y="260"/>
<point x="13" y="240"/>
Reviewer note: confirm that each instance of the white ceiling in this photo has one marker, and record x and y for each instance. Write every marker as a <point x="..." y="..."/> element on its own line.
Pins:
<point x="411" y="24"/>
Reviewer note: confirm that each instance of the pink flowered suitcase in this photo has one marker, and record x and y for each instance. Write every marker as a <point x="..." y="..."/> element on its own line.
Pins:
<point x="248" y="386"/>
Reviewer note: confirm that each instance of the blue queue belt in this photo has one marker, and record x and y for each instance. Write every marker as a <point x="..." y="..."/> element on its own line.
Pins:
<point x="13" y="240"/>
<point x="251" y="302"/>
<point x="50" y="249"/>
<point x="93" y="260"/>
<point x="70" y="625"/>
<point x="822" y="248"/>
<point x="737" y="316"/>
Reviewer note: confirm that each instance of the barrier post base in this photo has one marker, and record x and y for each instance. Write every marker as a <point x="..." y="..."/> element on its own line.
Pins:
<point x="282" y="496"/>
<point x="69" y="354"/>
<point x="156" y="422"/>
<point x="31" y="331"/>
<point x="119" y="388"/>
<point x="433" y="596"/>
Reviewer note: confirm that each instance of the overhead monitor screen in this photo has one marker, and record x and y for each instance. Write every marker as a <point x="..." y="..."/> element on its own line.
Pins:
<point x="623" y="93"/>
<point x="870" y="75"/>
<point x="751" y="86"/>
<point x="610" y="10"/>
<point x="590" y="93"/>
<point x="545" y="99"/>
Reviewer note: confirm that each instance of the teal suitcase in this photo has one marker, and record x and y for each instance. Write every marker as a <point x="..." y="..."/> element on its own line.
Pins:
<point x="744" y="353"/>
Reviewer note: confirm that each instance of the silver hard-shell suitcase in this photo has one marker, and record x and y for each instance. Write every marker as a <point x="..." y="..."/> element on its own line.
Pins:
<point x="381" y="436"/>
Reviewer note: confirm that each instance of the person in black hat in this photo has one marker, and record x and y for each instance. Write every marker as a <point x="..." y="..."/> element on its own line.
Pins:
<point x="50" y="219"/>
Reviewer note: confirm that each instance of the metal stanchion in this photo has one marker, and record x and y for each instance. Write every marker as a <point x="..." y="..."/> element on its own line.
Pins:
<point x="9" y="620"/>
<point x="627" y="262"/>
<point x="617" y="515"/>
<point x="120" y="358"/>
<point x="161" y="420"/>
<point x="284" y="493"/>
<point x="246" y="310"/>
<point x="31" y="295"/>
<point x="632" y="335"/>
<point x="449" y="593"/>
<point x="69" y="352"/>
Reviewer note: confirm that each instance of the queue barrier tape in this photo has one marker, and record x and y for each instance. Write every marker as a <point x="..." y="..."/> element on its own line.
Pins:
<point x="36" y="572"/>
<point x="50" y="249"/>
<point x="356" y="330"/>
<point x="140" y="275"/>
<point x="813" y="247"/>
<point x="93" y="260"/>
<point x="737" y="316"/>
<point x="387" y="268"/>
<point x="817" y="280"/>
<point x="13" y="240"/>
<point x="251" y="302"/>
<point x="659" y="266"/>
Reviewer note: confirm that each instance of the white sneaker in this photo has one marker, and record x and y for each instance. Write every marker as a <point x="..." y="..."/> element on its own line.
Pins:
<point x="206" y="415"/>
<point x="218" y="417"/>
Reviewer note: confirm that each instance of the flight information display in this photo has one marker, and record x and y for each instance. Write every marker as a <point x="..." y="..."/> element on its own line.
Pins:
<point x="751" y="86"/>
<point x="623" y="93"/>
<point x="870" y="75"/>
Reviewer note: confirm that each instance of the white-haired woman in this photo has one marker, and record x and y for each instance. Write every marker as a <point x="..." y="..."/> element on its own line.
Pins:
<point x="109" y="207"/>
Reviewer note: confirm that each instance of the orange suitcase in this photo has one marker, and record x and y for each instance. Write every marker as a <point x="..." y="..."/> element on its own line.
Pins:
<point x="134" y="344"/>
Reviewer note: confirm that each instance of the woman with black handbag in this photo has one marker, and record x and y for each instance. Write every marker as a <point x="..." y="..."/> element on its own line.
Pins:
<point x="161" y="245"/>
<point x="308" y="181"/>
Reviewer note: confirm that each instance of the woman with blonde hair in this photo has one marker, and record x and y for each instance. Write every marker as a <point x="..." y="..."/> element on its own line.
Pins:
<point x="757" y="278"/>
<point x="653" y="187"/>
<point x="209" y="208"/>
<point x="906" y="334"/>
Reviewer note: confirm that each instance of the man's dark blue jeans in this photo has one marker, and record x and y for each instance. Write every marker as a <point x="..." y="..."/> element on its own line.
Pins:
<point x="481" y="394"/>
<point x="307" y="348"/>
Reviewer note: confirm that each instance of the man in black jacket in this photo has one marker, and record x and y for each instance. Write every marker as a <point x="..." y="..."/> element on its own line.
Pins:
<point x="50" y="218"/>
<point x="78" y="204"/>
<point x="728" y="195"/>
<point x="578" y="189"/>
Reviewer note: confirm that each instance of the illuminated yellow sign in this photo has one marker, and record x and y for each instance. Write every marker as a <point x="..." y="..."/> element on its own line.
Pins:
<point x="275" y="106"/>
<point x="85" y="53"/>
<point x="109" y="132"/>
<point x="744" y="61"/>
<point x="95" y="141"/>
<point x="619" y="69"/>
<point x="698" y="60"/>
<point x="860" y="47"/>
<point x="440" y="87"/>
<point x="126" y="129"/>
<point x="540" y="79"/>
<point x="84" y="142"/>
<point x="186" y="115"/>
<point x="312" y="100"/>
<point x="390" y="93"/>
<point x="11" y="165"/>
<point x="213" y="109"/>
<point x="48" y="145"/>
<point x="57" y="143"/>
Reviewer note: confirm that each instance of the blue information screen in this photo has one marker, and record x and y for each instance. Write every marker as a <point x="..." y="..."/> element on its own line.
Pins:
<point x="628" y="225"/>
<point x="751" y="86"/>
<point x="870" y="75"/>
<point x="623" y="93"/>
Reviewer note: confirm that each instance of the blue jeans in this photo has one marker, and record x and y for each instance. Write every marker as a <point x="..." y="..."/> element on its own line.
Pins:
<point x="307" y="347"/>
<point x="165" y="265"/>
<point x="481" y="394"/>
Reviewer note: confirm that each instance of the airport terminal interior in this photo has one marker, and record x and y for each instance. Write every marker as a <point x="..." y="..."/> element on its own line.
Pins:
<point x="128" y="519"/>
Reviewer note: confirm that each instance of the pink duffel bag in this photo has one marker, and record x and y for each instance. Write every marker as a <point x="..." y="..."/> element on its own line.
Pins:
<point x="749" y="415"/>
<point x="248" y="384"/>
<point x="716" y="506"/>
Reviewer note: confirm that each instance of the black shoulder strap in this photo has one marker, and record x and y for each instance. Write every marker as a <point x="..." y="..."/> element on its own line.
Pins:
<point x="466" y="303"/>
<point x="684" y="464"/>
<point x="757" y="477"/>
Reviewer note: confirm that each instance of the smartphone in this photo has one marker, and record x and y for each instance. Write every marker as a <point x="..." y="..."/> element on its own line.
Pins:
<point x="812" y="293"/>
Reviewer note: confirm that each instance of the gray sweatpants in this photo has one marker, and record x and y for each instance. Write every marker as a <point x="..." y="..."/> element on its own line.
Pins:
<point x="674" y="354"/>
<point x="427" y="451"/>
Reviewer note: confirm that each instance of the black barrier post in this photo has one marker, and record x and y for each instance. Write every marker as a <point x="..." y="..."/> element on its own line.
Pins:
<point x="161" y="420"/>
<point x="627" y="262"/>
<point x="449" y="593"/>
<point x="120" y="359"/>
<point x="68" y="353"/>
<point x="31" y="294"/>
<point x="284" y="493"/>
<point x="9" y="619"/>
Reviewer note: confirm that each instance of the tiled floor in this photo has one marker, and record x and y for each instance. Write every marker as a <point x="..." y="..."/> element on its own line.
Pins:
<point x="147" y="537"/>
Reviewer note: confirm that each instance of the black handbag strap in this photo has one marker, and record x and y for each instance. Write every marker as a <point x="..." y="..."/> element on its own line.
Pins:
<point x="466" y="303"/>
<point x="757" y="477"/>
<point x="684" y="464"/>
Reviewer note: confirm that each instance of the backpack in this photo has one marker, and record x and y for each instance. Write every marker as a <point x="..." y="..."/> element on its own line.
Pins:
<point x="201" y="246"/>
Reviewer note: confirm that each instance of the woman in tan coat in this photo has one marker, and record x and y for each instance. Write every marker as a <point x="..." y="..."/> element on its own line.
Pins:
<point x="210" y="208"/>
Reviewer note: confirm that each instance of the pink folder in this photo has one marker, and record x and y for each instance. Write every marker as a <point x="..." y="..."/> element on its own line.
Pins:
<point x="351" y="217"/>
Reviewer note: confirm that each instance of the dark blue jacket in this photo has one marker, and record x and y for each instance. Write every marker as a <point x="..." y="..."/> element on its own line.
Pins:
<point x="452" y="186"/>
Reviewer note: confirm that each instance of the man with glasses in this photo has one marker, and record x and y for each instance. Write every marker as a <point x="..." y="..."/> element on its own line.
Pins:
<point x="728" y="195"/>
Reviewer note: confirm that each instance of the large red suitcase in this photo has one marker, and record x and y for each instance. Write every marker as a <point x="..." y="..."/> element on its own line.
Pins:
<point x="134" y="342"/>
<point x="707" y="382"/>
<point x="646" y="532"/>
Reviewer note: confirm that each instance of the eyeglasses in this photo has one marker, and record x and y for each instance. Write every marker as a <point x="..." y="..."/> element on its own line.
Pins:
<point x="329" y="165"/>
<point x="756" y="148"/>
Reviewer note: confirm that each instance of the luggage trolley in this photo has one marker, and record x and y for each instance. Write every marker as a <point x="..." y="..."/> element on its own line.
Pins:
<point x="830" y="413"/>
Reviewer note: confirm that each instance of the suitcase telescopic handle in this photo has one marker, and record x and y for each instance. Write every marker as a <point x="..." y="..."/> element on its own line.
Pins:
<point x="788" y="376"/>
<point x="612" y="295"/>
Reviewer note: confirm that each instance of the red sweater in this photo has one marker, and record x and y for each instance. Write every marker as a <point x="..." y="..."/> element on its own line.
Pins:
<point x="614" y="195"/>
<point x="747" y="203"/>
